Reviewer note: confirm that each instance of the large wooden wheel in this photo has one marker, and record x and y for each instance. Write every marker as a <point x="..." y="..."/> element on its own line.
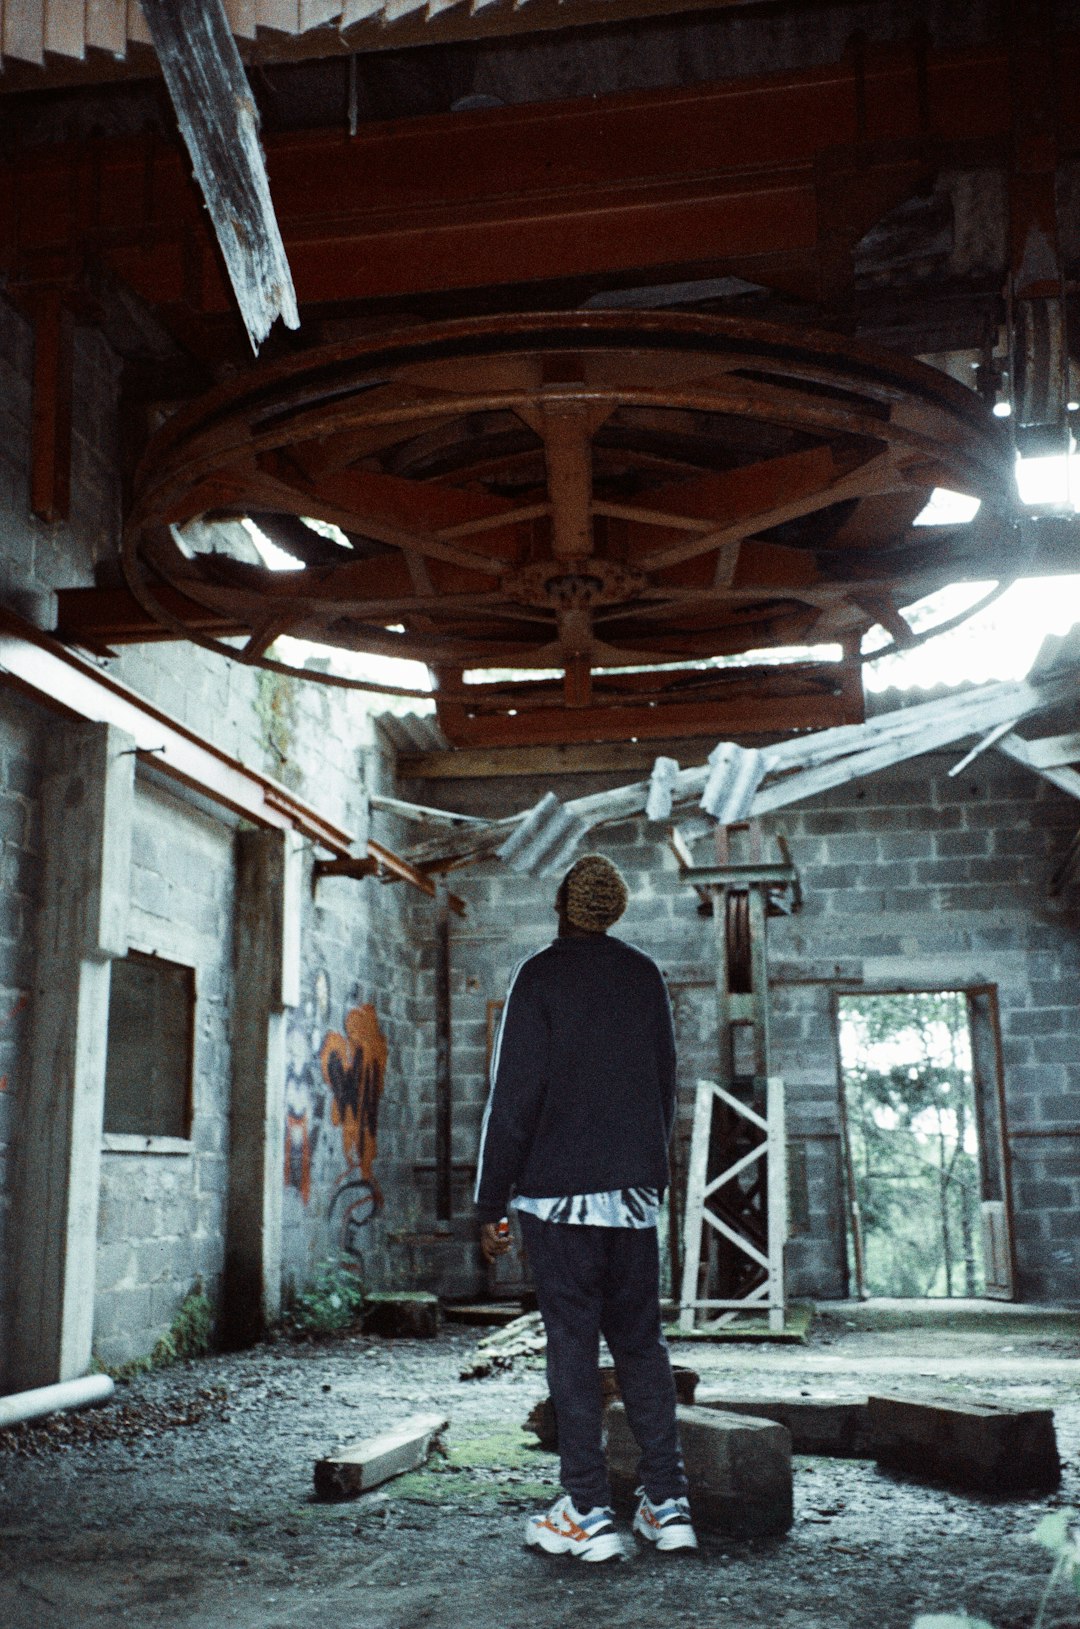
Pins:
<point x="574" y="494"/>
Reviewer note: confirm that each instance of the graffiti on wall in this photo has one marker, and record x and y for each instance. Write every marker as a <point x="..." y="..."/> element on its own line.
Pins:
<point x="334" y="1082"/>
<point x="354" y="1068"/>
<point x="305" y="1098"/>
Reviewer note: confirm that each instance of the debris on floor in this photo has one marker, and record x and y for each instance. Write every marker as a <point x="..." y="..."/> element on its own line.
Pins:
<point x="364" y="1465"/>
<point x="116" y="1422"/>
<point x="523" y="1338"/>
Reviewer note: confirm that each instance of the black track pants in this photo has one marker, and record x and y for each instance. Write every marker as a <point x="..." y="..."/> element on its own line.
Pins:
<point x="605" y="1280"/>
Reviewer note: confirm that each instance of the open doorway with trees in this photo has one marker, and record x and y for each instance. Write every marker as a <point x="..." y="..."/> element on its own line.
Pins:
<point x="924" y="1145"/>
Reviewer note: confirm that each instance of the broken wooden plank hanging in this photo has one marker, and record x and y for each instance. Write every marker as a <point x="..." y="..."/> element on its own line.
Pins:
<point x="785" y="772"/>
<point x="219" y="122"/>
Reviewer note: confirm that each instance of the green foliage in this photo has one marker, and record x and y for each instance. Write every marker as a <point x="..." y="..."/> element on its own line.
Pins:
<point x="331" y="1302"/>
<point x="189" y="1334"/>
<point x="1063" y="1542"/>
<point x="1054" y="1534"/>
<point x="911" y="1110"/>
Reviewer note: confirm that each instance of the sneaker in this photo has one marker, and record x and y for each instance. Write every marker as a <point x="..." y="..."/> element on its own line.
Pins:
<point x="562" y="1530"/>
<point x="666" y="1525"/>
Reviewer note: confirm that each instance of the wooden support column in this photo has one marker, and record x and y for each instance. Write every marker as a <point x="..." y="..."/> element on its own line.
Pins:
<point x="87" y="803"/>
<point x="266" y="970"/>
<point x="444" y="1201"/>
<point x="50" y="448"/>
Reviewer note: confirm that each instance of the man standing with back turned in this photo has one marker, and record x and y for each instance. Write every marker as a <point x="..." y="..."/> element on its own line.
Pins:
<point x="576" y="1128"/>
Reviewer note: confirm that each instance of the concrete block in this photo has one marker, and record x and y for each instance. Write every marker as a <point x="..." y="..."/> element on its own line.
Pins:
<point x="542" y="1419"/>
<point x="739" y="1469"/>
<point x="412" y="1313"/>
<point x="981" y="1445"/>
<point x="834" y="1426"/>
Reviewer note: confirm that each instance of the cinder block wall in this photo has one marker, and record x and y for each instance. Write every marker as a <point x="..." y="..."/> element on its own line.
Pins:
<point x="911" y="880"/>
<point x="162" y="1217"/>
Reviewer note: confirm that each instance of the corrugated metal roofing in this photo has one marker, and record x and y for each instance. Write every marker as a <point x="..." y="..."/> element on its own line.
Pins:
<point x="412" y="732"/>
<point x="34" y="30"/>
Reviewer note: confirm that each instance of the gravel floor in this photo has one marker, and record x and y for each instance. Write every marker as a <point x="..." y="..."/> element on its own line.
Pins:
<point x="188" y="1500"/>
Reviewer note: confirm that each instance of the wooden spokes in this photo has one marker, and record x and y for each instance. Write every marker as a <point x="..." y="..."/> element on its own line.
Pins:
<point x="577" y="491"/>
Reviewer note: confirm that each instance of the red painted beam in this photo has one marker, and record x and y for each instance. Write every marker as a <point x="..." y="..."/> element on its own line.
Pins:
<point x="732" y="174"/>
<point x="40" y="668"/>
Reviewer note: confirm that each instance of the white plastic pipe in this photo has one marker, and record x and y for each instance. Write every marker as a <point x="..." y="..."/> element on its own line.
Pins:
<point x="31" y="1405"/>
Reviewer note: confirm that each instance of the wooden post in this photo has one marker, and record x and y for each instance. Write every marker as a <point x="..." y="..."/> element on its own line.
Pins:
<point x="266" y="964"/>
<point x="50" y="451"/>
<point x="87" y="803"/>
<point x="696" y="1178"/>
<point x="776" y="1159"/>
<point x="444" y="1200"/>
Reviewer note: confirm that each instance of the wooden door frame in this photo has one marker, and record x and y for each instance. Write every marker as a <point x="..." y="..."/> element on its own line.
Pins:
<point x="990" y="990"/>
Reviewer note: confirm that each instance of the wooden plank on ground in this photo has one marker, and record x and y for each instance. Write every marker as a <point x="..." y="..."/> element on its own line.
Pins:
<point x="364" y="1465"/>
<point x="218" y="120"/>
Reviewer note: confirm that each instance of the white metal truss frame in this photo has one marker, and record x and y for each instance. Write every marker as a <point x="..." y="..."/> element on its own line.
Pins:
<point x="700" y="1187"/>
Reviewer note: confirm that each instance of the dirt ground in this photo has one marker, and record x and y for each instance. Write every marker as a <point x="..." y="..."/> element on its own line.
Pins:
<point x="188" y="1500"/>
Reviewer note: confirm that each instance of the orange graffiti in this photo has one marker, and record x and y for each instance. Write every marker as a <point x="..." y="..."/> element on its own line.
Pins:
<point x="298" y="1153"/>
<point x="354" y="1067"/>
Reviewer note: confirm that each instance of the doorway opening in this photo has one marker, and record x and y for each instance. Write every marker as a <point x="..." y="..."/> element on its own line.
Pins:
<point x="924" y="1151"/>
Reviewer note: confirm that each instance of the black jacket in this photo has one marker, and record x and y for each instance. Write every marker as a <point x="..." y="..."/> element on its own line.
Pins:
<point x="582" y="1077"/>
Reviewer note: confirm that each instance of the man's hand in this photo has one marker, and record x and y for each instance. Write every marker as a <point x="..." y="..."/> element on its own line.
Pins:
<point x="494" y="1240"/>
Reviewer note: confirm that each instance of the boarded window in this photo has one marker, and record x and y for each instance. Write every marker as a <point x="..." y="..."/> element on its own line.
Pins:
<point x="149" y="1059"/>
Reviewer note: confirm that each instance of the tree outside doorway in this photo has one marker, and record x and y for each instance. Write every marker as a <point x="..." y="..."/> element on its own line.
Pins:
<point x="913" y="1142"/>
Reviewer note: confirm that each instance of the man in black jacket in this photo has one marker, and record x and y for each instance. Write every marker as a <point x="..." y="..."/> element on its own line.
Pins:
<point x="576" y="1129"/>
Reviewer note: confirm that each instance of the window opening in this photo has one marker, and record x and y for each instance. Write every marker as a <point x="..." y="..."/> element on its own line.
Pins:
<point x="148" y="1066"/>
<point x="913" y="1136"/>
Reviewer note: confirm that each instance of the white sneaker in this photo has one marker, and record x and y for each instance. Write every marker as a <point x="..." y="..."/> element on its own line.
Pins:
<point x="667" y="1525"/>
<point x="562" y="1530"/>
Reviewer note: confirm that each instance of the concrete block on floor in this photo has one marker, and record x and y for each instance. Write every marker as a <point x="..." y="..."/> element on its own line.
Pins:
<point x="837" y="1427"/>
<point x="980" y="1445"/>
<point x="739" y="1469"/>
<point x="408" y="1313"/>
<point x="542" y="1419"/>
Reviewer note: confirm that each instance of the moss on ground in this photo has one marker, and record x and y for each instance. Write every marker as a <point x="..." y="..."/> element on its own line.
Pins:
<point x="497" y="1467"/>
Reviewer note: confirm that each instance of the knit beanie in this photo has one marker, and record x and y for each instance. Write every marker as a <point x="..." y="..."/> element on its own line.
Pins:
<point x="595" y="893"/>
